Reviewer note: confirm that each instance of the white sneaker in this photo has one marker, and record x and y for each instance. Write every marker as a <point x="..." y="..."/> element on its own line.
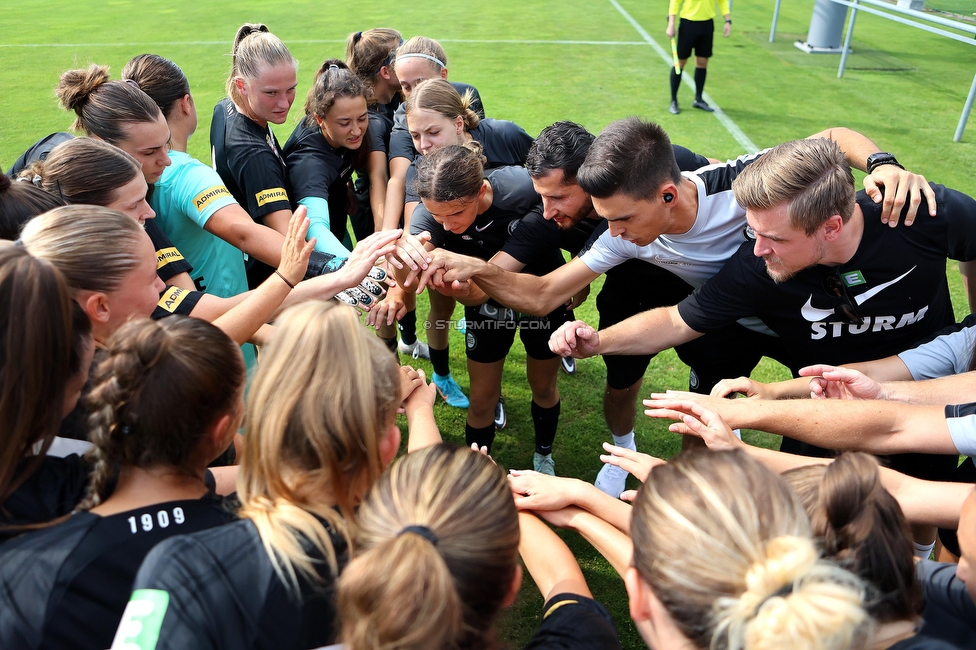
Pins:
<point x="611" y="480"/>
<point x="418" y="349"/>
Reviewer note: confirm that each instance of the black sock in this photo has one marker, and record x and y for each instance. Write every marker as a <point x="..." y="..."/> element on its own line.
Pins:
<point x="390" y="343"/>
<point x="408" y="327"/>
<point x="545" y="421"/>
<point x="700" y="82"/>
<point x="675" y="84"/>
<point x="483" y="436"/>
<point x="441" y="360"/>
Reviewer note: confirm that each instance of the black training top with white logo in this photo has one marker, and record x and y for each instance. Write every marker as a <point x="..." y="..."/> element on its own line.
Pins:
<point x="67" y="586"/>
<point x="896" y="277"/>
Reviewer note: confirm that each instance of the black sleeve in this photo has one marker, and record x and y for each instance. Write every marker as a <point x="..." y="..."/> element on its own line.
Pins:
<point x="688" y="160"/>
<point x="961" y="212"/>
<point x="571" y="622"/>
<point x="532" y="236"/>
<point x="379" y="132"/>
<point x="176" y="300"/>
<point x="729" y="295"/>
<point x="401" y="144"/>
<point x="411" y="195"/>
<point x="312" y="166"/>
<point x="169" y="260"/>
<point x="261" y="178"/>
<point x="422" y="220"/>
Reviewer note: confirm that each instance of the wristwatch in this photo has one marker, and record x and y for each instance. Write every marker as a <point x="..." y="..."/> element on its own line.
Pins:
<point x="882" y="158"/>
<point x="729" y="21"/>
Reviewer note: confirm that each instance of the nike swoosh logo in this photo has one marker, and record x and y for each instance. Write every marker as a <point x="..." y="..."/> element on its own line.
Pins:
<point x="477" y="229"/>
<point x="814" y="314"/>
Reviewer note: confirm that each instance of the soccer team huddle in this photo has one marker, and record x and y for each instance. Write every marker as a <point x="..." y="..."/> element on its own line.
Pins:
<point x="200" y="376"/>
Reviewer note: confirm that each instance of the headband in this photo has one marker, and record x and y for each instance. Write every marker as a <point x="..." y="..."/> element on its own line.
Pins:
<point x="422" y="56"/>
<point x="423" y="531"/>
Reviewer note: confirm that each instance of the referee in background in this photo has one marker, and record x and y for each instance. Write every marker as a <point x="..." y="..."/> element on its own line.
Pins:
<point x="695" y="33"/>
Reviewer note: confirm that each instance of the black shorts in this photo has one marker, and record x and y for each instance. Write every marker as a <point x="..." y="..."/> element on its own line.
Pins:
<point x="491" y="332"/>
<point x="730" y="352"/>
<point x="697" y="35"/>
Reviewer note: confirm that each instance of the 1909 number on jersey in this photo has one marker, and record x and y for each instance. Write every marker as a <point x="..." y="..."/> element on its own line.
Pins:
<point x="146" y="522"/>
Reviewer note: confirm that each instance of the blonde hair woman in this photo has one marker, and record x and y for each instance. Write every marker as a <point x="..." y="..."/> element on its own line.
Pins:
<point x="320" y="428"/>
<point x="722" y="557"/>
<point x="440" y="537"/>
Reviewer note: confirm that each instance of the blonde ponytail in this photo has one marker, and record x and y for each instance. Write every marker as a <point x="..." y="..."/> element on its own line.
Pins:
<point x="439" y="534"/>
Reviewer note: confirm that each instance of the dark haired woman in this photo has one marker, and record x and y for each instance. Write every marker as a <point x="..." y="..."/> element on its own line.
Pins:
<point x="471" y="211"/>
<point x="324" y="150"/>
<point x="167" y="399"/>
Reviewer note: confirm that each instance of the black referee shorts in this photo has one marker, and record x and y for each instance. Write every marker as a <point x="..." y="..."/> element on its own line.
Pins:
<point x="491" y="331"/>
<point x="695" y="35"/>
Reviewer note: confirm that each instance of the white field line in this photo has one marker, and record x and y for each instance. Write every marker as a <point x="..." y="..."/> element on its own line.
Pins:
<point x="442" y="40"/>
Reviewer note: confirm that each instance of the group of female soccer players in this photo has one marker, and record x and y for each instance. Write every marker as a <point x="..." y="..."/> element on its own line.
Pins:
<point x="139" y="516"/>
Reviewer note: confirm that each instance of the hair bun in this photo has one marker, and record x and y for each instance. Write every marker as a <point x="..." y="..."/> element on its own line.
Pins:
<point x="76" y="86"/>
<point x="787" y="559"/>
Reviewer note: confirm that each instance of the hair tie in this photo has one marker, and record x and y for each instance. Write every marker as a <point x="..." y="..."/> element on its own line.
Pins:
<point x="422" y="56"/>
<point x="782" y="592"/>
<point x="125" y="429"/>
<point x="423" y="531"/>
<point x="333" y="66"/>
<point x="37" y="180"/>
<point x="133" y="82"/>
<point x="355" y="39"/>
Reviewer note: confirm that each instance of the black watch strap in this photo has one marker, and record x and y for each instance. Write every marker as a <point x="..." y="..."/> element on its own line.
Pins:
<point x="875" y="160"/>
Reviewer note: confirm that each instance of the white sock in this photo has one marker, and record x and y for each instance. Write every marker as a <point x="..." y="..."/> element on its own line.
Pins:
<point x="625" y="441"/>
<point x="923" y="551"/>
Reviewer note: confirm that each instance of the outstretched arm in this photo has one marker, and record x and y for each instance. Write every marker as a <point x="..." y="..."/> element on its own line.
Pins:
<point x="930" y="503"/>
<point x="646" y="333"/>
<point x="869" y="425"/>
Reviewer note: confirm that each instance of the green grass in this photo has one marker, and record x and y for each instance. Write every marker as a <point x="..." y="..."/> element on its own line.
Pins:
<point x="903" y="87"/>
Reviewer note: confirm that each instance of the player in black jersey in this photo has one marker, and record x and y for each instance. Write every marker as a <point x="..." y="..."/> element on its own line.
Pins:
<point x="417" y="60"/>
<point x="167" y="399"/>
<point x="469" y="210"/>
<point x="438" y="116"/>
<point x="370" y="55"/>
<point x="324" y="150"/>
<point x="320" y="428"/>
<point x="440" y="559"/>
<point x="39" y="371"/>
